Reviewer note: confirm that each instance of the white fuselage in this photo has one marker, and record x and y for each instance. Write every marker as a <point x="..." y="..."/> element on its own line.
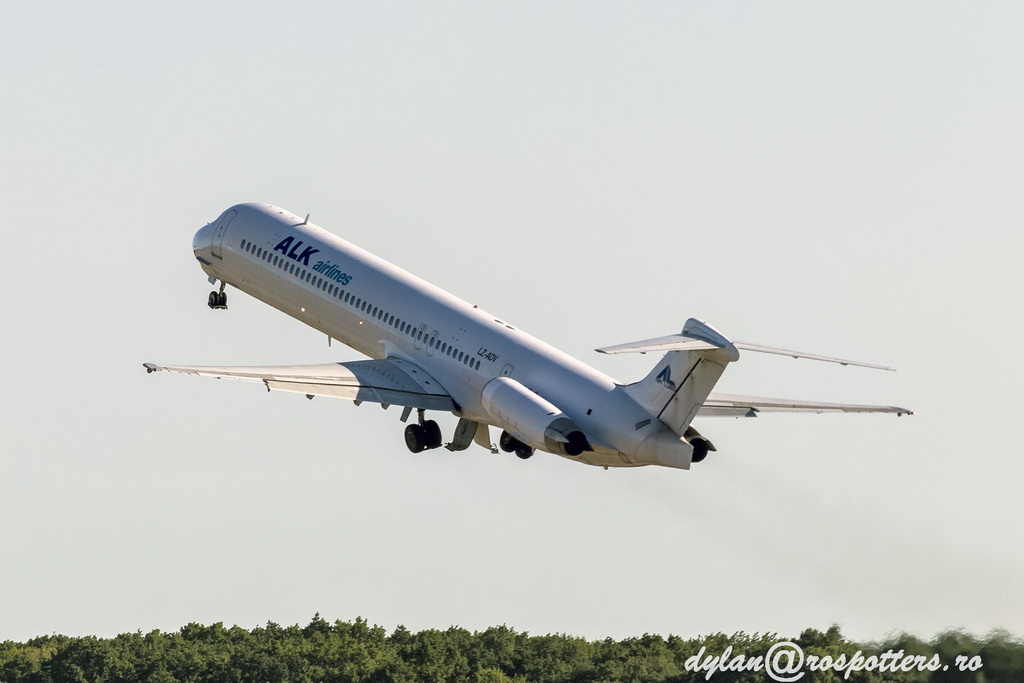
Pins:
<point x="385" y="312"/>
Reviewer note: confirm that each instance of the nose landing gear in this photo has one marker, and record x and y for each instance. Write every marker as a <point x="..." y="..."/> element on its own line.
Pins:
<point x="218" y="300"/>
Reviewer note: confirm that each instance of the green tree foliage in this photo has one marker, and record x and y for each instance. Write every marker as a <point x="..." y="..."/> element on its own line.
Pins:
<point x="356" y="651"/>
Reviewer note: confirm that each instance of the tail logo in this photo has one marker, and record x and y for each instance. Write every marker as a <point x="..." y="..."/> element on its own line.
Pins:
<point x="664" y="378"/>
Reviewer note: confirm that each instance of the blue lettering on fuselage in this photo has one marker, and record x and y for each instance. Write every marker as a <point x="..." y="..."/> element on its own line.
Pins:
<point x="332" y="272"/>
<point x="289" y="247"/>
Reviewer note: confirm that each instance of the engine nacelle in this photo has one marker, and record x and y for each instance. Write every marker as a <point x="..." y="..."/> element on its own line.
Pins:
<point x="665" y="447"/>
<point x="701" y="444"/>
<point x="531" y="419"/>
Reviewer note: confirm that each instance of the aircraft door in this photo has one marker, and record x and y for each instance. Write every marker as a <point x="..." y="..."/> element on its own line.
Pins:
<point x="218" y="234"/>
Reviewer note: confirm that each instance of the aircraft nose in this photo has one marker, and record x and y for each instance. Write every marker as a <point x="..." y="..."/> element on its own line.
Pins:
<point x="203" y="239"/>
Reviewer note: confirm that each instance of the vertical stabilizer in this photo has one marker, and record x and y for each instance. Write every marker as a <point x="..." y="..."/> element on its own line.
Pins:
<point x="681" y="381"/>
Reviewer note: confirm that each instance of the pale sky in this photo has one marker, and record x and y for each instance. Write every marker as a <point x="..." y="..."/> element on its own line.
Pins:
<point x="840" y="179"/>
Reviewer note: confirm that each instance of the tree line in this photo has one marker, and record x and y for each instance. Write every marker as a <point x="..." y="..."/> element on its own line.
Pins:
<point x="356" y="651"/>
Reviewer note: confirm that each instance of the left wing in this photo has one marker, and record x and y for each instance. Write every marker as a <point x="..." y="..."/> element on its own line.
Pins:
<point x="731" y="405"/>
<point x="388" y="382"/>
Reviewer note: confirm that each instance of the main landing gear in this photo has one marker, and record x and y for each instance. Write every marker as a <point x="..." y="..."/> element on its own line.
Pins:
<point x="511" y="444"/>
<point x="424" y="436"/>
<point x="218" y="299"/>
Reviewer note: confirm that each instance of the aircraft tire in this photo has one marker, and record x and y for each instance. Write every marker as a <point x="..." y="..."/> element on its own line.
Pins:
<point x="431" y="434"/>
<point x="415" y="438"/>
<point x="507" y="442"/>
<point x="524" y="452"/>
<point x="212" y="300"/>
<point x="222" y="299"/>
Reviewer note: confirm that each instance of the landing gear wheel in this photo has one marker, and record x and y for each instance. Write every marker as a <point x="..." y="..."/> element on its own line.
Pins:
<point x="524" y="452"/>
<point x="507" y="442"/>
<point x="217" y="299"/>
<point x="431" y="434"/>
<point x="415" y="438"/>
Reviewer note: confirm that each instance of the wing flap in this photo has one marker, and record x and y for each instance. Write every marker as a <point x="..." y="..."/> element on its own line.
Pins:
<point x="391" y="381"/>
<point x="731" y="405"/>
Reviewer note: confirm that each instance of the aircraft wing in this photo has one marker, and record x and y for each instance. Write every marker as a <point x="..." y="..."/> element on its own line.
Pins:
<point x="388" y="382"/>
<point x="731" y="405"/>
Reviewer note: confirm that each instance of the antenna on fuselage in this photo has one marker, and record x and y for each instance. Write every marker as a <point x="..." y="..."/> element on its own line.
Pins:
<point x="304" y="222"/>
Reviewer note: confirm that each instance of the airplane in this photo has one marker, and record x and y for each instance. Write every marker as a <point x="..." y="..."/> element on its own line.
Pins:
<point x="431" y="351"/>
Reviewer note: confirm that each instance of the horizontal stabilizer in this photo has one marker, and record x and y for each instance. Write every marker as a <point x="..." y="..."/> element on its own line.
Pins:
<point x="730" y="405"/>
<point x="683" y="342"/>
<point x="810" y="356"/>
<point x="677" y="386"/>
<point x="673" y="342"/>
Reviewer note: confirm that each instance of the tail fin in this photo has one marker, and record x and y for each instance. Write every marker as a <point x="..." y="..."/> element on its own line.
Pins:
<point x="680" y="383"/>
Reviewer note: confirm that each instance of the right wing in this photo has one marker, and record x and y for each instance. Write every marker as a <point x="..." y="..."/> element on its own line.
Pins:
<point x="731" y="405"/>
<point x="388" y="382"/>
